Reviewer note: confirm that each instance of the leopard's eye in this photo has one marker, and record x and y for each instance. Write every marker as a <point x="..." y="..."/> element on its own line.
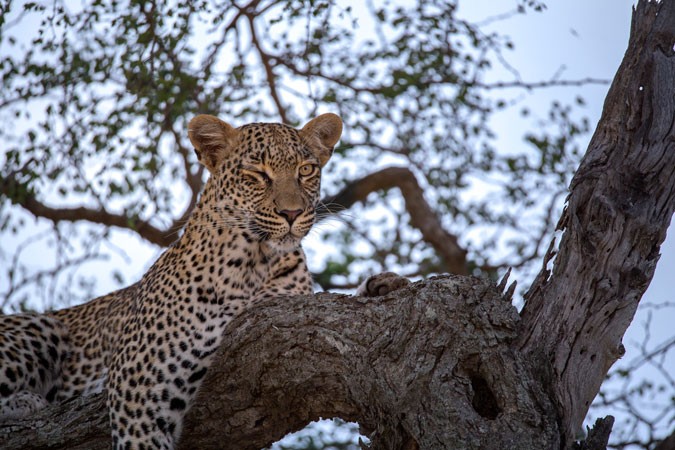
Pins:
<point x="263" y="176"/>
<point x="307" y="170"/>
<point x="258" y="175"/>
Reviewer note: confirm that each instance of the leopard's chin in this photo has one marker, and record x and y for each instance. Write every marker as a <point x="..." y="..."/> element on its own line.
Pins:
<point x="285" y="243"/>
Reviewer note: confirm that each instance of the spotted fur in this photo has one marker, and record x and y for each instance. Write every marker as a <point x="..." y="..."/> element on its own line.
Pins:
<point x="151" y="343"/>
<point x="33" y="350"/>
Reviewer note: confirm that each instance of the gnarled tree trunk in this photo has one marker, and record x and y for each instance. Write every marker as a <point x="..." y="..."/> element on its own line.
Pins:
<point x="448" y="363"/>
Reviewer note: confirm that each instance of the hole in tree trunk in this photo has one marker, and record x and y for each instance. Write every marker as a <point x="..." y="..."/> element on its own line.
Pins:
<point x="323" y="434"/>
<point x="483" y="401"/>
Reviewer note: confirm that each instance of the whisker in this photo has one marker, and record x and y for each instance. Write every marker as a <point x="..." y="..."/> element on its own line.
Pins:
<point x="332" y="208"/>
<point x="324" y="226"/>
<point x="340" y="217"/>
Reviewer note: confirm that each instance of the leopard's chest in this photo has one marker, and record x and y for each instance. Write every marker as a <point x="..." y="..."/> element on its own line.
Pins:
<point x="199" y="288"/>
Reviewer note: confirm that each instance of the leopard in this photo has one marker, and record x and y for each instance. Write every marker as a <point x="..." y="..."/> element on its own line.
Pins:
<point x="149" y="345"/>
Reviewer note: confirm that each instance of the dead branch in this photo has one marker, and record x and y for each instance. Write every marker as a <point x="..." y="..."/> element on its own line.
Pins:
<point x="621" y="203"/>
<point x="422" y="216"/>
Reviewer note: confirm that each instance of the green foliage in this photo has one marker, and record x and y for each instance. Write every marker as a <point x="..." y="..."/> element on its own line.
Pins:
<point x="98" y="96"/>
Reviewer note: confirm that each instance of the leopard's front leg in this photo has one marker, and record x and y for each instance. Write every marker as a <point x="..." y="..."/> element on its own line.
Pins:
<point x="153" y="380"/>
<point x="288" y="275"/>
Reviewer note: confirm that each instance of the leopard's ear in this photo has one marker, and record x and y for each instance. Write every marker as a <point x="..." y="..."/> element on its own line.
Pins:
<point x="321" y="134"/>
<point x="212" y="139"/>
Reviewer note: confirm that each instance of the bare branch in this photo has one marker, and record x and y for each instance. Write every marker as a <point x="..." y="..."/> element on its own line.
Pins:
<point x="267" y="64"/>
<point x="422" y="216"/>
<point x="538" y="240"/>
<point x="519" y="84"/>
<point x="210" y="59"/>
<point x="541" y="84"/>
<point x="99" y="216"/>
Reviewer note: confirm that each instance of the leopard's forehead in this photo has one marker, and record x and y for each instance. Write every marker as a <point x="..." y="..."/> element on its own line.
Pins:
<point x="273" y="144"/>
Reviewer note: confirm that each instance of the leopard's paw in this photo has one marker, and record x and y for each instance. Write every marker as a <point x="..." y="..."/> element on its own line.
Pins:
<point x="381" y="284"/>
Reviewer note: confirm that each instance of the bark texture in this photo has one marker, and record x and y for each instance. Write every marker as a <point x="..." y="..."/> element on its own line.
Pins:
<point x="429" y="365"/>
<point x="621" y="202"/>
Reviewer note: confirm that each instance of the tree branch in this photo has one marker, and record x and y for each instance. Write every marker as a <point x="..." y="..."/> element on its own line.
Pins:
<point x="621" y="203"/>
<point x="530" y="85"/>
<point x="422" y="216"/>
<point x="598" y="436"/>
<point x="194" y="180"/>
<point x="30" y="203"/>
<point x="269" y="70"/>
<point x="428" y="365"/>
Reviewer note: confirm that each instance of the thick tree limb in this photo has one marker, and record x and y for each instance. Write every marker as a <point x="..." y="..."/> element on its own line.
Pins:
<point x="428" y="365"/>
<point x="422" y="216"/>
<point x="147" y="231"/>
<point x="621" y="203"/>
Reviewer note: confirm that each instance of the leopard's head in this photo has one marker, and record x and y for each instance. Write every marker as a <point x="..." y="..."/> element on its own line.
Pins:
<point x="265" y="177"/>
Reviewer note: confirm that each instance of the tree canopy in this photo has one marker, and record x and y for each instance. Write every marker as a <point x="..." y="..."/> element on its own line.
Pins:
<point x="101" y="94"/>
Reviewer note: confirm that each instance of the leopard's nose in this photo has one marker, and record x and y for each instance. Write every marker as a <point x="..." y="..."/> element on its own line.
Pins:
<point x="290" y="214"/>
